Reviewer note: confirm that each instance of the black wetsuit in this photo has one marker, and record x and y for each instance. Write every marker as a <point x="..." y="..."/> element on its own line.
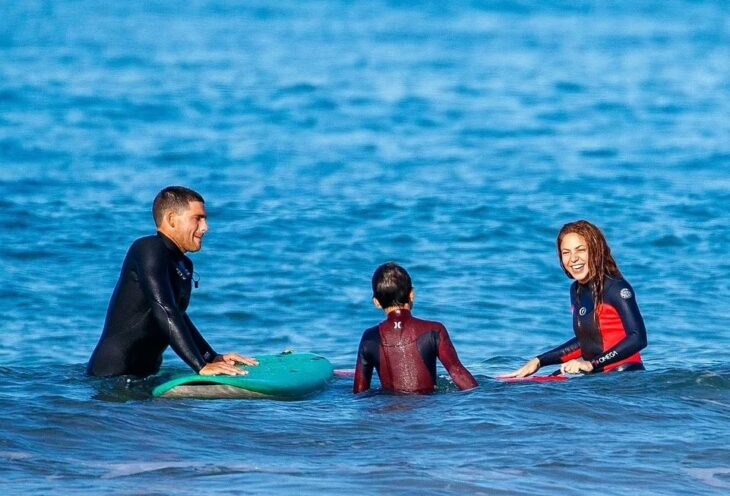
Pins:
<point x="403" y="349"/>
<point x="615" y="344"/>
<point x="147" y="313"/>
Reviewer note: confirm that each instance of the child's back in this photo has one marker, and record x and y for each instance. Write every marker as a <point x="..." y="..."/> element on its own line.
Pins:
<point x="402" y="348"/>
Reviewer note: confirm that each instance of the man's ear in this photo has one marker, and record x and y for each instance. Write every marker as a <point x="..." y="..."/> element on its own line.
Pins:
<point x="170" y="218"/>
<point x="412" y="296"/>
<point x="377" y="304"/>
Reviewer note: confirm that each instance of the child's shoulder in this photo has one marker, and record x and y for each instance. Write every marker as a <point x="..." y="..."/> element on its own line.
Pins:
<point x="429" y="323"/>
<point x="371" y="331"/>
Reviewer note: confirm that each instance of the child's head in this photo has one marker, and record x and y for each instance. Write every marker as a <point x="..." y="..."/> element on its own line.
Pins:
<point x="392" y="286"/>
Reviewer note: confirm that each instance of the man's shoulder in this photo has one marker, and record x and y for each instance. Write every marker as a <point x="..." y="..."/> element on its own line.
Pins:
<point x="148" y="250"/>
<point x="149" y="239"/>
<point x="147" y="243"/>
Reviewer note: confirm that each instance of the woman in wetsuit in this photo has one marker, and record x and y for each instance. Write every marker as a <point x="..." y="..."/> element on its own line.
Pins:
<point x="609" y="329"/>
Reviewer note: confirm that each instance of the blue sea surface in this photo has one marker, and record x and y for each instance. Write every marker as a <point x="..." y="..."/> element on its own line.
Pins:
<point x="331" y="136"/>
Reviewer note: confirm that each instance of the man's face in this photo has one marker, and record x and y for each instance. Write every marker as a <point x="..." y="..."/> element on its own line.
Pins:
<point x="189" y="226"/>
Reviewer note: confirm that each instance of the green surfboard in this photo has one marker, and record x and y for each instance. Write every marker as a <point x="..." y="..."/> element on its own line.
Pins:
<point x="283" y="376"/>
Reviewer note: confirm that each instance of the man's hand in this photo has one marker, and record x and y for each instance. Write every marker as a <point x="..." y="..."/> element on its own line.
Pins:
<point x="234" y="358"/>
<point x="221" y="368"/>
<point x="526" y="370"/>
<point x="577" y="366"/>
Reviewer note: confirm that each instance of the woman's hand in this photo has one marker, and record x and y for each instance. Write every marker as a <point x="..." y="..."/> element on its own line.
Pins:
<point x="577" y="366"/>
<point x="526" y="370"/>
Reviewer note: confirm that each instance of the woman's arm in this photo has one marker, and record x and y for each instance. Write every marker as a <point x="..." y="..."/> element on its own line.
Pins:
<point x="621" y="297"/>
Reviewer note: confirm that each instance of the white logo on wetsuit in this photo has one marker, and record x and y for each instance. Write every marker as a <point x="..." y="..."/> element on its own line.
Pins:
<point x="182" y="271"/>
<point x="582" y="311"/>
<point x="397" y="324"/>
<point x="608" y="356"/>
<point x="625" y="293"/>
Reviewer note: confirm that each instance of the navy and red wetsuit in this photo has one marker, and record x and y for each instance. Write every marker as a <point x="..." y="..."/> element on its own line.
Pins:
<point x="403" y="349"/>
<point x="614" y="343"/>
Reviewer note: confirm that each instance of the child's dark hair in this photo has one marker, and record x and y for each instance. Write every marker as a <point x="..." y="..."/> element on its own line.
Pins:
<point x="392" y="285"/>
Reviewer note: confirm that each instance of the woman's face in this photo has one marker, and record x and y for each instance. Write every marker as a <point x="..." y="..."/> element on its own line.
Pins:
<point x="574" y="255"/>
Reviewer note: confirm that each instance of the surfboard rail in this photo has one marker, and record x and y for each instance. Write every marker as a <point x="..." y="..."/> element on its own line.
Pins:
<point x="284" y="376"/>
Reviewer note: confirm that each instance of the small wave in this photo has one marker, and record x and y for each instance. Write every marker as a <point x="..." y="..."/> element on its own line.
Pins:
<point x="667" y="241"/>
<point x="295" y="89"/>
<point x="569" y="87"/>
<point x="15" y="455"/>
<point x="715" y="477"/>
<point x="713" y="402"/>
<point x="599" y="153"/>
<point x="198" y="469"/>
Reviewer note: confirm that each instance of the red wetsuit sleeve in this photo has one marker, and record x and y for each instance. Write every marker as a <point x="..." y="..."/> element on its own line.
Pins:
<point x="566" y="351"/>
<point x="447" y="354"/>
<point x="365" y="362"/>
<point x="621" y="297"/>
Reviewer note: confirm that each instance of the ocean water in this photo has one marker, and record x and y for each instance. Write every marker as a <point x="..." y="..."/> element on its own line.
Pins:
<point x="328" y="137"/>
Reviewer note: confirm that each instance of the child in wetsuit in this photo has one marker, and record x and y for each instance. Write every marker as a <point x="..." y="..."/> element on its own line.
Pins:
<point x="402" y="348"/>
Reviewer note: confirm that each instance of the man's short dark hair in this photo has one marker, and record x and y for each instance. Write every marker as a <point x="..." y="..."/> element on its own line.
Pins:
<point x="392" y="285"/>
<point x="175" y="198"/>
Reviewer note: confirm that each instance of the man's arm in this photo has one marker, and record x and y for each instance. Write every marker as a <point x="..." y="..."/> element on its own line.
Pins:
<point x="447" y="354"/>
<point x="154" y="278"/>
<point x="205" y="349"/>
<point x="217" y="364"/>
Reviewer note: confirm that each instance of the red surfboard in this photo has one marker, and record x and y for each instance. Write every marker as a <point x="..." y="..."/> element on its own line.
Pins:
<point x="535" y="378"/>
<point x="344" y="373"/>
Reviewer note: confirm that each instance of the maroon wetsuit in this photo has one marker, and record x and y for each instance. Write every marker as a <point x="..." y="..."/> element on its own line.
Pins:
<point x="403" y="349"/>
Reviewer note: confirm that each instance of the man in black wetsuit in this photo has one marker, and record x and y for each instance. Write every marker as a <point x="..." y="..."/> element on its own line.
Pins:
<point x="147" y="311"/>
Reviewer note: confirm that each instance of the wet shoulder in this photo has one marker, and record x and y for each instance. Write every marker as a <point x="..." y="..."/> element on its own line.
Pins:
<point x="371" y="333"/>
<point x="430" y="325"/>
<point x="370" y="341"/>
<point x="147" y="249"/>
<point x="148" y="243"/>
<point x="617" y="289"/>
<point x="574" y="292"/>
<point x="574" y="288"/>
